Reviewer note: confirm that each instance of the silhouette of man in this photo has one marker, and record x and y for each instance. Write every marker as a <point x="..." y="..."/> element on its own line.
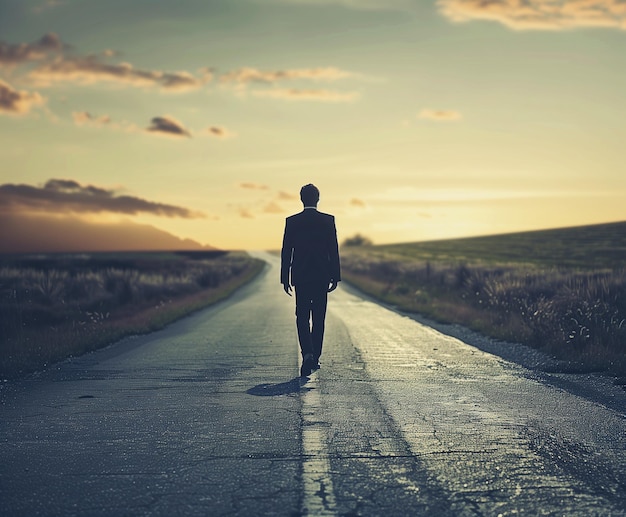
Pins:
<point x="310" y="262"/>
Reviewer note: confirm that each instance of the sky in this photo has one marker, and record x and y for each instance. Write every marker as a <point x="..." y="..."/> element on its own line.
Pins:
<point x="416" y="119"/>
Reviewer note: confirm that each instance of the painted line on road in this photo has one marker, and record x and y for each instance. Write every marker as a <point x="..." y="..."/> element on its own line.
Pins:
<point x="319" y="497"/>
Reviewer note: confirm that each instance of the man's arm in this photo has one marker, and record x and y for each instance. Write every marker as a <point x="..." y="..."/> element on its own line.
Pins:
<point x="335" y="265"/>
<point x="286" y="254"/>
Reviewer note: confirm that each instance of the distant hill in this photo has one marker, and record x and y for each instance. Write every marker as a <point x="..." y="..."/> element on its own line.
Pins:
<point x="39" y="234"/>
<point x="601" y="245"/>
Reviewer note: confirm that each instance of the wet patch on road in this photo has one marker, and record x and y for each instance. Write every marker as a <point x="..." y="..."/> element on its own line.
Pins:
<point x="373" y="470"/>
<point x="318" y="492"/>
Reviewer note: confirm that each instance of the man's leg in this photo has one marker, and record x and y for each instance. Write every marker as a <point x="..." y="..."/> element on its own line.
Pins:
<point x="303" y="315"/>
<point x="318" y="316"/>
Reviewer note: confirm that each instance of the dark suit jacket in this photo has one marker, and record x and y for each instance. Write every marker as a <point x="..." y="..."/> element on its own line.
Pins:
<point x="310" y="250"/>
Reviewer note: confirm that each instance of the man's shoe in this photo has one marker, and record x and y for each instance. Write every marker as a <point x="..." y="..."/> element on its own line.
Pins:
<point x="316" y="364"/>
<point x="307" y="365"/>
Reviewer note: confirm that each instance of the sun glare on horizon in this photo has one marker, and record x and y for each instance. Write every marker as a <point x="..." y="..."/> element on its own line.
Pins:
<point x="196" y="124"/>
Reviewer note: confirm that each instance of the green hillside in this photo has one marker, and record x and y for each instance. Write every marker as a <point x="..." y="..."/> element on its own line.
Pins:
<point x="597" y="246"/>
<point x="562" y="291"/>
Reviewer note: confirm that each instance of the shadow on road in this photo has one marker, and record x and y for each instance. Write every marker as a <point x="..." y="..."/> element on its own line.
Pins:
<point x="284" y="388"/>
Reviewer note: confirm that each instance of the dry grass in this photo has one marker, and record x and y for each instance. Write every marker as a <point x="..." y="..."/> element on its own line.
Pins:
<point x="573" y="312"/>
<point x="57" y="306"/>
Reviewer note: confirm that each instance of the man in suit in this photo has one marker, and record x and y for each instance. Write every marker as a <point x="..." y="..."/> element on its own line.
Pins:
<point x="310" y="262"/>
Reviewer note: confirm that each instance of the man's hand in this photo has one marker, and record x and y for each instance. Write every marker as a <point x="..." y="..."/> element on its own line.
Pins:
<point x="332" y="286"/>
<point x="287" y="288"/>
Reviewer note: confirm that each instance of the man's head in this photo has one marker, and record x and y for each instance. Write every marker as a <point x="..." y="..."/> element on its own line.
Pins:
<point x="309" y="195"/>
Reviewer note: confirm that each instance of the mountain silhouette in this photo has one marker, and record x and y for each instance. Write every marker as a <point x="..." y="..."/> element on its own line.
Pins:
<point x="48" y="234"/>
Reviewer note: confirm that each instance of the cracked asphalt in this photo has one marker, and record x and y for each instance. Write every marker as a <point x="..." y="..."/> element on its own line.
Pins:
<point x="208" y="417"/>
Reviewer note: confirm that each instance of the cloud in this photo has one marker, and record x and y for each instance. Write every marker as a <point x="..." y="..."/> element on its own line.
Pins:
<point x="17" y="102"/>
<point x="60" y="196"/>
<point x="243" y="77"/>
<point x="273" y="208"/>
<point x="538" y="14"/>
<point x="365" y="5"/>
<point x="45" y="6"/>
<point x="219" y="132"/>
<point x="56" y="67"/>
<point x="85" y="118"/>
<point x="286" y="196"/>
<point x="308" y="95"/>
<point x="167" y="126"/>
<point x="244" y="213"/>
<point x="15" y="54"/>
<point x="440" y="115"/>
<point x="252" y="186"/>
<point x="357" y="202"/>
<point x="247" y="75"/>
<point x="87" y="70"/>
<point x="109" y="52"/>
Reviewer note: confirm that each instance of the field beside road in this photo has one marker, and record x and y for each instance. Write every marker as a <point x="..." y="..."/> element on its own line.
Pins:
<point x="210" y="417"/>
<point x="562" y="291"/>
<point x="61" y="305"/>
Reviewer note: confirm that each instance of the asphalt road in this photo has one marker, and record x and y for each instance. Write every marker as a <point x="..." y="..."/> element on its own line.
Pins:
<point x="209" y="417"/>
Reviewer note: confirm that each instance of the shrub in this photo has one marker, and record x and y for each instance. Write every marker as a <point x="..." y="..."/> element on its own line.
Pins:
<point x="65" y="303"/>
<point x="568" y="312"/>
<point x="357" y="240"/>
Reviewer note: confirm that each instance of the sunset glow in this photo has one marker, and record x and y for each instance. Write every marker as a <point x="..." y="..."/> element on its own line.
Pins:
<point x="417" y="120"/>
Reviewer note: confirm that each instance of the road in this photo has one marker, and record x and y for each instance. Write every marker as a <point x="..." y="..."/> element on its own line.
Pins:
<point x="209" y="417"/>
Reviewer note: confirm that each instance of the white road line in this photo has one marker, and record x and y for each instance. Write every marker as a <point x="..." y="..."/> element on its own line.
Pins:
<point x="319" y="498"/>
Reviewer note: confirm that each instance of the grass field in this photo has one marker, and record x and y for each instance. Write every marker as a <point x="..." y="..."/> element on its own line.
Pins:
<point x="56" y="306"/>
<point x="562" y="291"/>
<point x="586" y="247"/>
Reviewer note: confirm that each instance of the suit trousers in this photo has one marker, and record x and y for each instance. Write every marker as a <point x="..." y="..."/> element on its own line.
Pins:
<point x="311" y="301"/>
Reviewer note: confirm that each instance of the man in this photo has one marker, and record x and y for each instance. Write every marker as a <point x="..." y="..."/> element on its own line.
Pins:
<point x="310" y="262"/>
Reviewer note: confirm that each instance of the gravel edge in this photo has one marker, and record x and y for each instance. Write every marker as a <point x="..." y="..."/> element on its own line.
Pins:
<point x="597" y="387"/>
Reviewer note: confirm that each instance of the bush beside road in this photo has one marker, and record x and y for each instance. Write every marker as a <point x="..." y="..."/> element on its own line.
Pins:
<point x="56" y="306"/>
<point x="561" y="291"/>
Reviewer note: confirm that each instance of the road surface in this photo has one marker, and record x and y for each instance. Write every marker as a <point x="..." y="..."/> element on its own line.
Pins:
<point x="209" y="417"/>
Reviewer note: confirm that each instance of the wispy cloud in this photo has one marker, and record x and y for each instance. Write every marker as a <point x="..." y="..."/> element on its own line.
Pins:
<point x="49" y="62"/>
<point x="68" y="196"/>
<point x="87" y="70"/>
<point x="293" y="94"/>
<point x="242" y="78"/>
<point x="252" y="186"/>
<point x="365" y="5"/>
<point x="244" y="213"/>
<point x="286" y="196"/>
<point x="247" y="75"/>
<point x="47" y="5"/>
<point x="88" y="119"/>
<point x="15" y="54"/>
<point x="439" y="115"/>
<point x="428" y="196"/>
<point x="168" y="126"/>
<point x="17" y="102"/>
<point x="539" y="14"/>
<point x="162" y="126"/>
<point x="358" y="203"/>
<point x="219" y="132"/>
<point x="54" y="65"/>
<point x="269" y="206"/>
<point x="273" y="208"/>
<point x="82" y="118"/>
<point x="109" y="52"/>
